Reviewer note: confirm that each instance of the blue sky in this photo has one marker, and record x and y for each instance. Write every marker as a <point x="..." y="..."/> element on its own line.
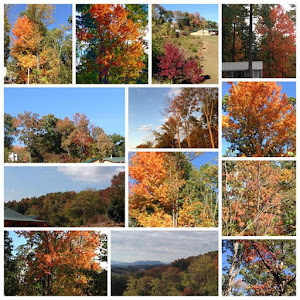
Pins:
<point x="208" y="11"/>
<point x="164" y="246"/>
<point x="16" y="241"/>
<point x="104" y="107"/>
<point x="21" y="182"/>
<point x="287" y="87"/>
<point x="60" y="15"/>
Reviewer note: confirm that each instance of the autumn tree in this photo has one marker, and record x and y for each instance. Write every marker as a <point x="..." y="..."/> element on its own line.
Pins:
<point x="57" y="261"/>
<point x="166" y="191"/>
<point x="191" y="120"/>
<point x="254" y="200"/>
<point x="39" y="55"/>
<point x="265" y="267"/>
<point x="278" y="43"/>
<point x="50" y="139"/>
<point x="115" y="52"/>
<point x="259" y="120"/>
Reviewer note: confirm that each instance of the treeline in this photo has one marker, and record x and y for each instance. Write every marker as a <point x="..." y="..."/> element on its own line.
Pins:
<point x="193" y="276"/>
<point x="259" y="198"/>
<point x="55" y="263"/>
<point x="166" y="190"/>
<point x="50" y="139"/>
<point x="273" y="39"/>
<point x="192" y="121"/>
<point x="90" y="207"/>
<point x="34" y="54"/>
<point x="174" y="51"/>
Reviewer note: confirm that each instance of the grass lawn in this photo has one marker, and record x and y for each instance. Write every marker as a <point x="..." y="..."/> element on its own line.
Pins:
<point x="210" y="62"/>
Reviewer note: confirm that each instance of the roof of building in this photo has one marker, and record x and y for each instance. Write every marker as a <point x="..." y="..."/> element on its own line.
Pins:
<point x="114" y="159"/>
<point x="241" y="66"/>
<point x="91" y="160"/>
<point x="11" y="215"/>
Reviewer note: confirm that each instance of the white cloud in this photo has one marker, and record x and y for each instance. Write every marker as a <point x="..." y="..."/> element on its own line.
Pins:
<point x="90" y="174"/>
<point x="146" y="127"/>
<point x="174" y="92"/>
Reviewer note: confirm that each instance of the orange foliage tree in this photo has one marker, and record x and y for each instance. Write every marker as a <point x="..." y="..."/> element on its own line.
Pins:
<point x="255" y="201"/>
<point x="260" y="120"/>
<point x="25" y="46"/>
<point x="55" y="261"/>
<point x="116" y="43"/>
<point x="278" y="45"/>
<point x="165" y="192"/>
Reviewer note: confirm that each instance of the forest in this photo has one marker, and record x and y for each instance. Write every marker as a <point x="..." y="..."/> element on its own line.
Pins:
<point x="38" y="50"/>
<point x="259" y="198"/>
<point x="167" y="190"/>
<point x="50" y="139"/>
<point x="88" y="208"/>
<point x="192" y="276"/>
<point x="55" y="263"/>
<point x="179" y="54"/>
<point x="260" y="32"/>
<point x="191" y="120"/>
<point x="259" y="267"/>
<point x="111" y="47"/>
<point x="259" y="120"/>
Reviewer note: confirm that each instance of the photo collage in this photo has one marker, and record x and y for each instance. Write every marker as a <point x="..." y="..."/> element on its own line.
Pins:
<point x="149" y="148"/>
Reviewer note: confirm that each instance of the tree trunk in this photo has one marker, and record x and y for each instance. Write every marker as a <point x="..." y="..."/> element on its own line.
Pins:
<point x="234" y="268"/>
<point x="250" y="42"/>
<point x="233" y="43"/>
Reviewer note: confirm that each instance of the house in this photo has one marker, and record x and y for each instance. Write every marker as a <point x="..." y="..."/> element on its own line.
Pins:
<point x="15" y="219"/>
<point x="106" y="160"/>
<point x="114" y="160"/>
<point x="205" y="32"/>
<point x="241" y="69"/>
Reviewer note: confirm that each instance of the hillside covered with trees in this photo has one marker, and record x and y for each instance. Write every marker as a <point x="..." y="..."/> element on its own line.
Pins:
<point x="34" y="51"/>
<point x="55" y="263"/>
<point x="261" y="32"/>
<point x="192" y="276"/>
<point x="166" y="189"/>
<point x="51" y="139"/>
<point x="94" y="208"/>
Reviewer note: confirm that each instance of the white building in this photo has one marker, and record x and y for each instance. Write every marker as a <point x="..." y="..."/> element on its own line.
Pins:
<point x="241" y="69"/>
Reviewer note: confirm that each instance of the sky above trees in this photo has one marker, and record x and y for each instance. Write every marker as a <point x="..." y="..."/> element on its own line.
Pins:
<point x="66" y="102"/>
<point x="60" y="14"/>
<point x="22" y="182"/>
<point x="208" y="11"/>
<point x="164" y="246"/>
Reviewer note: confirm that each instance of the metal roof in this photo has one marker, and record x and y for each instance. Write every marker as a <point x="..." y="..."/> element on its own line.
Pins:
<point x="114" y="159"/>
<point x="11" y="215"/>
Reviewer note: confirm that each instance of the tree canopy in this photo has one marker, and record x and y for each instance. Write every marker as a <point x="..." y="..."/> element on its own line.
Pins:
<point x="166" y="190"/>
<point x="34" y="53"/>
<point x="259" y="120"/>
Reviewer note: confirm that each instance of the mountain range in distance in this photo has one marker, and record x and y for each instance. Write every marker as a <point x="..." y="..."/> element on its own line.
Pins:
<point x="137" y="263"/>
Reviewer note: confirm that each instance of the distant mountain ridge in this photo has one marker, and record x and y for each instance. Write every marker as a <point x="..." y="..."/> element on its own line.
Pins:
<point x="137" y="263"/>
